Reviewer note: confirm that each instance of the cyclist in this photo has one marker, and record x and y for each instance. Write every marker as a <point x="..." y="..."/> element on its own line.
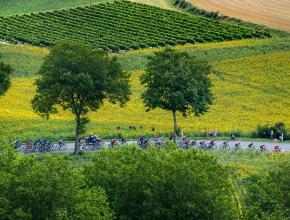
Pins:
<point x="113" y="142"/>
<point x="237" y="145"/>
<point x="277" y="149"/>
<point x="61" y="142"/>
<point x="171" y="138"/>
<point x="122" y="139"/>
<point x="233" y="137"/>
<point x="251" y="146"/>
<point x="263" y="147"/>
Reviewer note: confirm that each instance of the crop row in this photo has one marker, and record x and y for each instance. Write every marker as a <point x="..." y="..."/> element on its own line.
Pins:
<point x="119" y="26"/>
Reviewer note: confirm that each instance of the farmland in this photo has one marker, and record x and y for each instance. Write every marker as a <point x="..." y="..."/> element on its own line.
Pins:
<point x="246" y="80"/>
<point x="11" y="7"/>
<point x="114" y="27"/>
<point x="273" y="13"/>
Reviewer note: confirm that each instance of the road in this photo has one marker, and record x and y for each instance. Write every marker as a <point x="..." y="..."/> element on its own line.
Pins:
<point x="244" y="144"/>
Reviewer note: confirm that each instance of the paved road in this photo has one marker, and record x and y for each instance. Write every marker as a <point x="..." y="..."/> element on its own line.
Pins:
<point x="270" y="145"/>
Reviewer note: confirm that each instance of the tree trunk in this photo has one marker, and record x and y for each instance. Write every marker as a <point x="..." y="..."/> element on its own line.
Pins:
<point x="175" y="125"/>
<point x="77" y="135"/>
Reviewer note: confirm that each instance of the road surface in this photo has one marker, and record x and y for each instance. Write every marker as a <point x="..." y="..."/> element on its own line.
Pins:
<point x="244" y="144"/>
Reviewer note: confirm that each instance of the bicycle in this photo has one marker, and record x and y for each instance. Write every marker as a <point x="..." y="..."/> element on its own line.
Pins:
<point x="225" y="145"/>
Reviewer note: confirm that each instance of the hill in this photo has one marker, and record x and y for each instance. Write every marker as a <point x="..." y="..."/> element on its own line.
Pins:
<point x="250" y="87"/>
<point x="120" y="26"/>
<point x="12" y="7"/>
<point x="273" y="13"/>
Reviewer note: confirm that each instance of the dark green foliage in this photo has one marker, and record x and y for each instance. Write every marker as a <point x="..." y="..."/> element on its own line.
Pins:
<point x="268" y="194"/>
<point x="5" y="72"/>
<point x="79" y="79"/>
<point x="119" y="26"/>
<point x="177" y="82"/>
<point x="49" y="188"/>
<point x="189" y="7"/>
<point x="166" y="184"/>
<point x="264" y="131"/>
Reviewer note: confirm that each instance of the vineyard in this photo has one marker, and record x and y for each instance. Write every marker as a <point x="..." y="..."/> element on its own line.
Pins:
<point x="120" y="26"/>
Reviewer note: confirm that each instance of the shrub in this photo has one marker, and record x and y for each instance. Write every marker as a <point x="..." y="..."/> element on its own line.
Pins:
<point x="48" y="189"/>
<point x="264" y="131"/>
<point x="166" y="184"/>
<point x="268" y="194"/>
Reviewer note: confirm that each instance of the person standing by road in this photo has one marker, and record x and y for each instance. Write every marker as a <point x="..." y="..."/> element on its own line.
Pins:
<point x="282" y="137"/>
<point x="210" y="134"/>
<point x="271" y="134"/>
<point x="215" y="135"/>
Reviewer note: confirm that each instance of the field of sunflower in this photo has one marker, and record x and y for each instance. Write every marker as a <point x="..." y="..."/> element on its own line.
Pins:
<point x="250" y="89"/>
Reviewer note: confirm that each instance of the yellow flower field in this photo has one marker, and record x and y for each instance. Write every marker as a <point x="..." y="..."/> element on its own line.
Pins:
<point x="248" y="92"/>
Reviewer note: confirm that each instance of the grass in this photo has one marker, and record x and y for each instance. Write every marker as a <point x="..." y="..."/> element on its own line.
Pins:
<point x="251" y="87"/>
<point x="12" y="7"/>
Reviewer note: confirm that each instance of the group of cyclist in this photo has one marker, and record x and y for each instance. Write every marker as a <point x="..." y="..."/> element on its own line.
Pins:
<point x="94" y="142"/>
<point x="40" y="145"/>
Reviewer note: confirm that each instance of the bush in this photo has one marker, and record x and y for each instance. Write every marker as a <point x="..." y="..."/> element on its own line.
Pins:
<point x="166" y="184"/>
<point x="268" y="194"/>
<point x="264" y="131"/>
<point x="47" y="189"/>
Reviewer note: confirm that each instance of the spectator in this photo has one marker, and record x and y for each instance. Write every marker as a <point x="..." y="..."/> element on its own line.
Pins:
<point x="271" y="134"/>
<point x="215" y="134"/>
<point x="282" y="137"/>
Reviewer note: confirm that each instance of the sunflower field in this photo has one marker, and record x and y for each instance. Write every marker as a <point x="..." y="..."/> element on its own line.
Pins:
<point x="249" y="91"/>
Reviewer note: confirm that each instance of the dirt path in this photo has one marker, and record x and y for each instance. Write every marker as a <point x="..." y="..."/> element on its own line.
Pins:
<point x="274" y="13"/>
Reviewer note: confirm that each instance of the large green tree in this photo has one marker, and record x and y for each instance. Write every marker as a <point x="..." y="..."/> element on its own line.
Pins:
<point x="163" y="184"/>
<point x="47" y="188"/>
<point x="79" y="79"/>
<point x="177" y="82"/>
<point x="5" y="72"/>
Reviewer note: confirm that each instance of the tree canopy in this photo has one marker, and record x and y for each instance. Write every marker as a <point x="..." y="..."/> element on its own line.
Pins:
<point x="47" y="188"/>
<point x="79" y="79"/>
<point x="177" y="82"/>
<point x="163" y="184"/>
<point x="5" y="72"/>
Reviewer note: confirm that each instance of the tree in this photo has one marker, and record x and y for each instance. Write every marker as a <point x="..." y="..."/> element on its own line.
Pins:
<point x="5" y="72"/>
<point x="163" y="184"/>
<point x="79" y="79"/>
<point x="177" y="82"/>
<point x="48" y="188"/>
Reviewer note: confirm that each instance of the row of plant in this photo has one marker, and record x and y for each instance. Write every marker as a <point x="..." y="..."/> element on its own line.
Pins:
<point x="119" y="26"/>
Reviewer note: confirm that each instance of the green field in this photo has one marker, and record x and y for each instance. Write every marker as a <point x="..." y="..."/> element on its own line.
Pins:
<point x="246" y="78"/>
<point x="250" y="76"/>
<point x="12" y="7"/>
<point x="114" y="27"/>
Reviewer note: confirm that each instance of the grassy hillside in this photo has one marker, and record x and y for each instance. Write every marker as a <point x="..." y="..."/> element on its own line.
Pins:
<point x="12" y="7"/>
<point x="251" y="88"/>
<point x="120" y="26"/>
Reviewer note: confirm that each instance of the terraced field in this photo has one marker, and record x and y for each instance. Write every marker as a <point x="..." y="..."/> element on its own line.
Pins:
<point x="120" y="26"/>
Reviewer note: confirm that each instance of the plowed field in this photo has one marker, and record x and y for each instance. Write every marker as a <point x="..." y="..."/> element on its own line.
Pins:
<point x="274" y="13"/>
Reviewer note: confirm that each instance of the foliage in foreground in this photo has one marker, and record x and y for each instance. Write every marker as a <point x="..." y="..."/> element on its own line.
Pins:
<point x="172" y="184"/>
<point x="47" y="189"/>
<point x="168" y="183"/>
